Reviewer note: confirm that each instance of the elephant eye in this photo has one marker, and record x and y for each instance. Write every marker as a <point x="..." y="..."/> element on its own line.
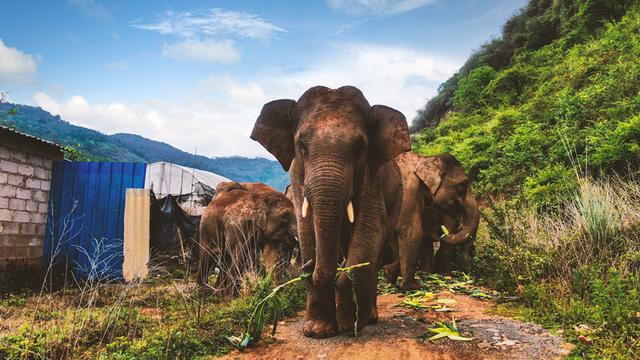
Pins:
<point x="304" y="150"/>
<point x="359" y="145"/>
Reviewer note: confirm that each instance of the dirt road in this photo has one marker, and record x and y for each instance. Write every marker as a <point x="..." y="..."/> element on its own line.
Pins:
<point x="396" y="336"/>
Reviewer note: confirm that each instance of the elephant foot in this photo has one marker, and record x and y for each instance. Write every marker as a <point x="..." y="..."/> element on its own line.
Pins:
<point x="365" y="317"/>
<point x="410" y="285"/>
<point x="391" y="272"/>
<point x="317" y="328"/>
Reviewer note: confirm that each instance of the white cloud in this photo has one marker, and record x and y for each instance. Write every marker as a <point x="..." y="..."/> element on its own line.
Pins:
<point x="217" y="116"/>
<point x="213" y="23"/>
<point x="378" y="7"/>
<point x="211" y="51"/>
<point x="216" y="119"/>
<point x="15" y="66"/>
<point x="399" y="77"/>
<point x="92" y="8"/>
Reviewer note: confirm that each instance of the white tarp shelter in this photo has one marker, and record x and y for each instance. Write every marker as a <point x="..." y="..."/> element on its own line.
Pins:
<point x="190" y="186"/>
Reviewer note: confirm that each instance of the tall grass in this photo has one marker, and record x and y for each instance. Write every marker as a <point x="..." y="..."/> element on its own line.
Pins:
<point x="163" y="317"/>
<point x="577" y="268"/>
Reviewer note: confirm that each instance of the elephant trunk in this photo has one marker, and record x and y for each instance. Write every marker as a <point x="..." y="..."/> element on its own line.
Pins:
<point x="328" y="202"/>
<point x="470" y="221"/>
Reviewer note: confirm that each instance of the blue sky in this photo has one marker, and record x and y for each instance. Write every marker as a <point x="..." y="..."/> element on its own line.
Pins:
<point x="196" y="73"/>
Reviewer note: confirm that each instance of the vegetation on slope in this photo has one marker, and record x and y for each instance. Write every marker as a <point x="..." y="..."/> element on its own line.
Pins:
<point x="550" y="115"/>
<point x="573" y="103"/>
<point x="86" y="144"/>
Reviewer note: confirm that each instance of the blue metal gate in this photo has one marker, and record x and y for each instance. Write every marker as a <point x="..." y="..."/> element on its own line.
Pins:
<point x="85" y="225"/>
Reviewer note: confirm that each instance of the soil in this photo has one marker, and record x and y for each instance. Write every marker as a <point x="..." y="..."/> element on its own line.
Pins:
<point x="396" y="336"/>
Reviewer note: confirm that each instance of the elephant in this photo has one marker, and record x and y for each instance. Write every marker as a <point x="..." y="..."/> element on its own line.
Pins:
<point x="346" y="191"/>
<point x="437" y="192"/>
<point x="242" y="222"/>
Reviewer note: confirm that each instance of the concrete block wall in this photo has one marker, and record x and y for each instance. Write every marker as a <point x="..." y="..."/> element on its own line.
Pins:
<point x="25" y="181"/>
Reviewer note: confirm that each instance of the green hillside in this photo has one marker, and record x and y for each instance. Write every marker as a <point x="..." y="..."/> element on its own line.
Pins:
<point x="94" y="145"/>
<point x="549" y="113"/>
<point x="558" y="91"/>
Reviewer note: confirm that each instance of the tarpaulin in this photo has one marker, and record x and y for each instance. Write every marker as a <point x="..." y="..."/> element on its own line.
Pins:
<point x="171" y="227"/>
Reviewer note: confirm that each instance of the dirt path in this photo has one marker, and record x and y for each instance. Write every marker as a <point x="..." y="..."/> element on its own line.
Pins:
<point x="396" y="336"/>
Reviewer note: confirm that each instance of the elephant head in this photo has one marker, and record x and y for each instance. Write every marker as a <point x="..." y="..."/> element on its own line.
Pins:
<point x="451" y="190"/>
<point x="279" y="228"/>
<point x="337" y="141"/>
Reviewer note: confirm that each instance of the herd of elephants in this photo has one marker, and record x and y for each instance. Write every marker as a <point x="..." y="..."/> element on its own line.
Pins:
<point x="357" y="195"/>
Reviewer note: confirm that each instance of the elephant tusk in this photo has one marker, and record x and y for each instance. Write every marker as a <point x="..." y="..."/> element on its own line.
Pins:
<point x="305" y="207"/>
<point x="350" y="214"/>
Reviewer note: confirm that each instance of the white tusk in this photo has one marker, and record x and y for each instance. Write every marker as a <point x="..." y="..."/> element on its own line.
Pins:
<point x="350" y="212"/>
<point x="305" y="207"/>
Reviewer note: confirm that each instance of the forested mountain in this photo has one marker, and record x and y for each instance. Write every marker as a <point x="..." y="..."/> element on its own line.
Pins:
<point x="557" y="92"/>
<point x="94" y="145"/>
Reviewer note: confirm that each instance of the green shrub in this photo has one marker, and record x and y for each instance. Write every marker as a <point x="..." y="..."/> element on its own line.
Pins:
<point x="471" y="88"/>
<point x="550" y="187"/>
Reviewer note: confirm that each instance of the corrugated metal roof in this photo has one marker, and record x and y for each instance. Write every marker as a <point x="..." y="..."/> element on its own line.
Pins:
<point x="16" y="132"/>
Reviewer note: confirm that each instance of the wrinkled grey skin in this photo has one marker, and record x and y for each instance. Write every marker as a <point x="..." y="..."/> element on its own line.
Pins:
<point x="334" y="145"/>
<point x="243" y="222"/>
<point x="437" y="192"/>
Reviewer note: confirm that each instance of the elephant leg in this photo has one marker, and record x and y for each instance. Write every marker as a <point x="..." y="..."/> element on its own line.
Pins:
<point x="410" y="239"/>
<point x="392" y="270"/>
<point x="204" y="269"/>
<point x="234" y="258"/>
<point x="443" y="259"/>
<point x="206" y="259"/>
<point x="426" y="254"/>
<point x="444" y="256"/>
<point x="359" y="296"/>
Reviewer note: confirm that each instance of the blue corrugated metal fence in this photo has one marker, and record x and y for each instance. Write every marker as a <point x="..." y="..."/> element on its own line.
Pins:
<point x="85" y="225"/>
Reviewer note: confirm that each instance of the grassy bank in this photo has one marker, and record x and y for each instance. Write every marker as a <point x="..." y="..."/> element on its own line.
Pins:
<point x="577" y="270"/>
<point x="160" y="319"/>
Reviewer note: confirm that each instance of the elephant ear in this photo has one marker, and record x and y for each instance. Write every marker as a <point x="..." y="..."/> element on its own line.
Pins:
<point x="430" y="171"/>
<point x="388" y="135"/>
<point x="274" y="130"/>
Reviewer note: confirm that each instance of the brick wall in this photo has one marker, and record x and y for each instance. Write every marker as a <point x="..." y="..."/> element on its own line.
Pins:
<point x="25" y="179"/>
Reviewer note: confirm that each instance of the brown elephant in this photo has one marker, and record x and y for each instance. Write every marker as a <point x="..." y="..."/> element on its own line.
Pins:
<point x="242" y="222"/>
<point x="437" y="192"/>
<point x="334" y="145"/>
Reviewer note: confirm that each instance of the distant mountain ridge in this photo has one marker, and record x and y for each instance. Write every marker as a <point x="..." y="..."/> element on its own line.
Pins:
<point x="129" y="147"/>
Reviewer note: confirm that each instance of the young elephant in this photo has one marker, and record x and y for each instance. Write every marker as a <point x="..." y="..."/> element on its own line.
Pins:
<point x="437" y="192"/>
<point x="242" y="222"/>
<point x="336" y="145"/>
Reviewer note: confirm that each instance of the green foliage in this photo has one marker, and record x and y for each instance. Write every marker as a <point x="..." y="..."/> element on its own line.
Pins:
<point x="575" y="269"/>
<point x="538" y="24"/>
<point x="73" y="154"/>
<point x="550" y="187"/>
<point x="445" y="329"/>
<point x="471" y="88"/>
<point x="607" y="305"/>
<point x="155" y="322"/>
<point x="568" y="106"/>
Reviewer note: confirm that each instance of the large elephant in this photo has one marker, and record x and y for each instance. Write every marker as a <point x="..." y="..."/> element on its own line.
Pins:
<point x="334" y="145"/>
<point x="242" y="222"/>
<point x="437" y="192"/>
